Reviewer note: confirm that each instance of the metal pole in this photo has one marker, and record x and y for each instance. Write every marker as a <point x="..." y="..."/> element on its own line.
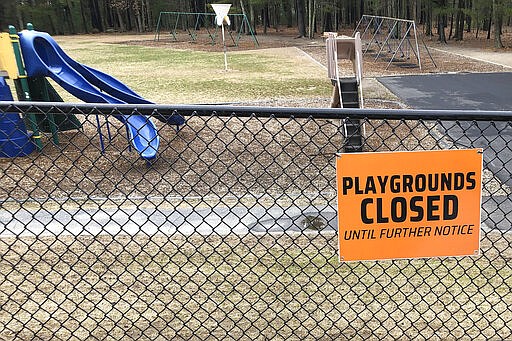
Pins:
<point x="368" y="25"/>
<point x="358" y="24"/>
<point x="398" y="48"/>
<point x="416" y="41"/>
<point x="175" y="27"/>
<point x="386" y="41"/>
<point x="251" y="31"/>
<point x="428" y="52"/>
<point x="225" y="49"/>
<point x="157" y="33"/>
<point x="373" y="37"/>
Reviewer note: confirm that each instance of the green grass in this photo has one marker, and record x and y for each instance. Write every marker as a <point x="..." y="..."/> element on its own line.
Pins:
<point x="166" y="75"/>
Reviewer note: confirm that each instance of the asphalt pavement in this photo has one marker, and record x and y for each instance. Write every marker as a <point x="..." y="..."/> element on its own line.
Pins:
<point x="460" y="91"/>
<point x="470" y="91"/>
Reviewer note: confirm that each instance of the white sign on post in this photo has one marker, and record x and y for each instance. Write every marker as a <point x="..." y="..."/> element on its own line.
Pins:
<point x="221" y="16"/>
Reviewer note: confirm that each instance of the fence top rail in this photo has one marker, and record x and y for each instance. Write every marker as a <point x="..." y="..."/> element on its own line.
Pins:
<point x="253" y="111"/>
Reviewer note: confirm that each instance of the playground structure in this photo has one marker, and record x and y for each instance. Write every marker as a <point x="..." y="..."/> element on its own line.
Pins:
<point x="347" y="91"/>
<point x="201" y="25"/>
<point x="44" y="58"/>
<point x="32" y="89"/>
<point x="14" y="139"/>
<point x="391" y="38"/>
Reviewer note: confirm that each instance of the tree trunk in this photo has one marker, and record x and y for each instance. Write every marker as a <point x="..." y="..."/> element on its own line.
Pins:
<point x="95" y="15"/>
<point x="498" y="23"/>
<point x="104" y="9"/>
<point x="469" y="5"/>
<point x="276" y="18"/>
<point x="140" y="25"/>
<point x="52" y="25"/>
<point x="327" y="25"/>
<point x="84" y="20"/>
<point x="311" y="6"/>
<point x="18" y="17"/>
<point x="149" y="15"/>
<point x="71" y="24"/>
<point x="287" y="9"/>
<point x="477" y="26"/>
<point x="441" y="23"/>
<point x="129" y="23"/>
<point x="451" y="28"/>
<point x="252" y="18"/>
<point x="490" y="24"/>
<point x="143" y="15"/>
<point x="120" y="19"/>
<point x="462" y="20"/>
<point x="138" y="17"/>
<point x="459" y="25"/>
<point x="428" y="19"/>
<point x="301" y="25"/>
<point x="265" y="18"/>
<point x="245" y="29"/>
<point x="452" y="18"/>
<point x="414" y="10"/>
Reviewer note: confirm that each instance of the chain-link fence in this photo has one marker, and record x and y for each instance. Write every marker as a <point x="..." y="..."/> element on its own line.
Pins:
<point x="230" y="232"/>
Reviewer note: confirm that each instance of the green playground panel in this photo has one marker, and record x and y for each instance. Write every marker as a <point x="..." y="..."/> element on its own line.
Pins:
<point x="42" y="90"/>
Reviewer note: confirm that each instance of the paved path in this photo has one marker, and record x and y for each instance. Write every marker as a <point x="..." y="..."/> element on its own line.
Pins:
<point x="118" y="220"/>
<point x="461" y="91"/>
<point x="478" y="91"/>
<point x="474" y="91"/>
<point x="498" y="58"/>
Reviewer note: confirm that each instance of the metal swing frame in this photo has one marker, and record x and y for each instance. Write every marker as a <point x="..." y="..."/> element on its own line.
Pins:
<point x="193" y="32"/>
<point x="393" y="33"/>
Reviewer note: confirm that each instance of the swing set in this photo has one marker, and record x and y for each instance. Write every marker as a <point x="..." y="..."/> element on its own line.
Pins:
<point x="386" y="36"/>
<point x="193" y="24"/>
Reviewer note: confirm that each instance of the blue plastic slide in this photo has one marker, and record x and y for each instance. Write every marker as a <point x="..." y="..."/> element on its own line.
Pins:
<point x="43" y="57"/>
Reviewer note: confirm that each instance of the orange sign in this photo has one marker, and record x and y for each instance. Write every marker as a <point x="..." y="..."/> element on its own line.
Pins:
<point x="409" y="204"/>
